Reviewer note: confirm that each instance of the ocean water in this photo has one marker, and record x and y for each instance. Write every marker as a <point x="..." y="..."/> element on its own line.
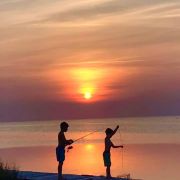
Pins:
<point x="151" y="146"/>
<point x="144" y="130"/>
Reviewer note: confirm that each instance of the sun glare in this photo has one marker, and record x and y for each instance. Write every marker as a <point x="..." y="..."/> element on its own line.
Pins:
<point x="89" y="147"/>
<point x="87" y="95"/>
<point x="87" y="85"/>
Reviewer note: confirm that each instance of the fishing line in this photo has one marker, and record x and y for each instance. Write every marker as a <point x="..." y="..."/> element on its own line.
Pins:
<point x="122" y="158"/>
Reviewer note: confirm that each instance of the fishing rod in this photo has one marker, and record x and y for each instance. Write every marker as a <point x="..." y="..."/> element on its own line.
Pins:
<point x="85" y="136"/>
<point x="90" y="134"/>
<point x="70" y="147"/>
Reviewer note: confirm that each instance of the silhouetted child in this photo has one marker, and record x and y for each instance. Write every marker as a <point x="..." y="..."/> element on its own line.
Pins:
<point x="106" y="154"/>
<point x="60" y="150"/>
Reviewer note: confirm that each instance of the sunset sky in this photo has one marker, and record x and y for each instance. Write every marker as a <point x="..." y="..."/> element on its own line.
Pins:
<point x="70" y="59"/>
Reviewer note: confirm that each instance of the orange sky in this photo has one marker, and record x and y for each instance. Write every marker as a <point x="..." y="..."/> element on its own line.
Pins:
<point x="121" y="53"/>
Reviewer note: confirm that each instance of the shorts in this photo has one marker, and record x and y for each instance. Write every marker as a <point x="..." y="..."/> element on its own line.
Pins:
<point x="60" y="154"/>
<point x="107" y="158"/>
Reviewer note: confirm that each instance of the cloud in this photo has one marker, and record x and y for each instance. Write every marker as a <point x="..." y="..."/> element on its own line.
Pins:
<point x="109" y="11"/>
<point x="139" y="37"/>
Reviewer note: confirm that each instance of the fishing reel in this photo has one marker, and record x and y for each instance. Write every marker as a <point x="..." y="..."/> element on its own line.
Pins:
<point x="69" y="148"/>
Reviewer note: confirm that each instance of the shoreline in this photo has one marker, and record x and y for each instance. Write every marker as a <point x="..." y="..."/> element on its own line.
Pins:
<point x="30" y="175"/>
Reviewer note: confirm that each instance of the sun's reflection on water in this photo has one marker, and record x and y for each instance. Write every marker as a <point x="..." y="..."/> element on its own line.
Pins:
<point x="142" y="161"/>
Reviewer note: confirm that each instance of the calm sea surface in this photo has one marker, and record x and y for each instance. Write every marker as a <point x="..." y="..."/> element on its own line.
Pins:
<point x="151" y="146"/>
<point x="132" y="130"/>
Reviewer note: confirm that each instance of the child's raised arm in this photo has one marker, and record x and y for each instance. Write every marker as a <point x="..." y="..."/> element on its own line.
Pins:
<point x="115" y="130"/>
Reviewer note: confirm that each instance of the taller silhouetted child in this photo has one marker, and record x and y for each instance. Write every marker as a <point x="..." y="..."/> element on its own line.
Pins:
<point x="60" y="150"/>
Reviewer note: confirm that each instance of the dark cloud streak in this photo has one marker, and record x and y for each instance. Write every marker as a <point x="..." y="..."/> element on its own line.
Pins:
<point x="144" y="105"/>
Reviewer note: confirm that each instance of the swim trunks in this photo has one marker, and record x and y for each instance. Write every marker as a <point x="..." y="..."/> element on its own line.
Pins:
<point x="107" y="158"/>
<point x="60" y="154"/>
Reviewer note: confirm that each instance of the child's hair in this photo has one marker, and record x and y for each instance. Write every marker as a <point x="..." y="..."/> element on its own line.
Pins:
<point x="108" y="131"/>
<point x="64" y="125"/>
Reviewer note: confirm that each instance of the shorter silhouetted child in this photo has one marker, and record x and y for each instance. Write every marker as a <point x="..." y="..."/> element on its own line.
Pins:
<point x="107" y="152"/>
<point x="60" y="150"/>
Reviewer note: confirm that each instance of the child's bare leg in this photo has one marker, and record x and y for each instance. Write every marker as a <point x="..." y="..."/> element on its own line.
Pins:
<point x="108" y="172"/>
<point x="60" y="171"/>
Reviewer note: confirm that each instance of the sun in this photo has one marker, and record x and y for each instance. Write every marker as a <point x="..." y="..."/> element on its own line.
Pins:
<point x="87" y="95"/>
